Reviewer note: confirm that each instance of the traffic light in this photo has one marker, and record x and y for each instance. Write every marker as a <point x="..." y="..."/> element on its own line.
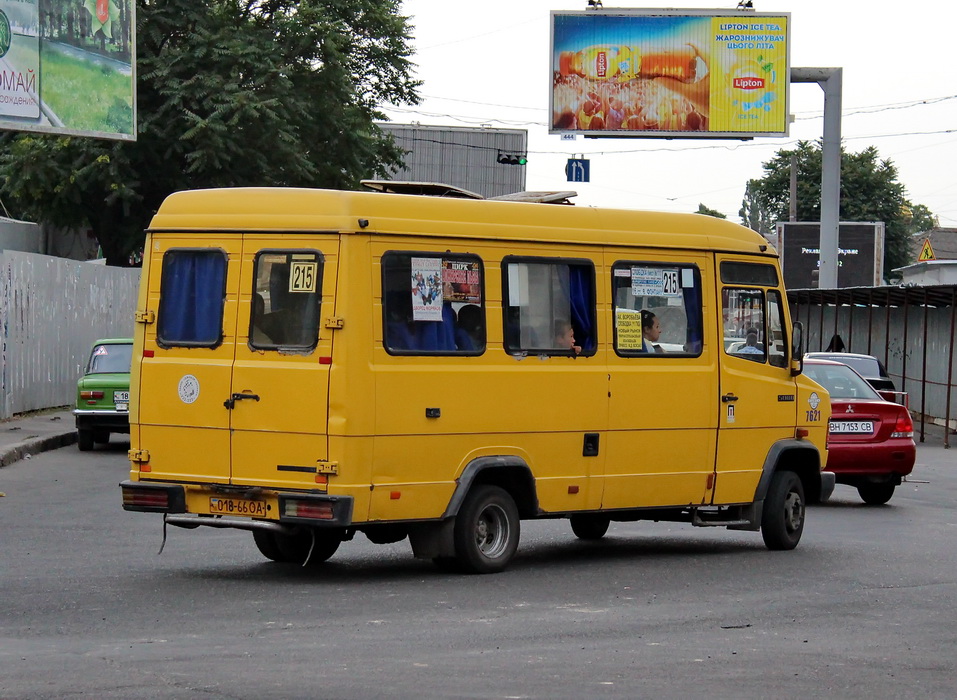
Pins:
<point x="509" y="158"/>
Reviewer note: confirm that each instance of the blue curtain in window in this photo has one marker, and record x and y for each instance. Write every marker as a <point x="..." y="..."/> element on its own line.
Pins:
<point x="692" y="299"/>
<point x="191" y="306"/>
<point x="582" y="305"/>
<point x="436" y="336"/>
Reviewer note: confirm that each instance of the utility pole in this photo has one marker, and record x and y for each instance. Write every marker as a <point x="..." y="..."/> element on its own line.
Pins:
<point x="793" y="201"/>
<point x="830" y="80"/>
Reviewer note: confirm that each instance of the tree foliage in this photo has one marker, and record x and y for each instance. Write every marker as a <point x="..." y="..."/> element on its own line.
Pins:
<point x="230" y="93"/>
<point x="708" y="211"/>
<point x="870" y="191"/>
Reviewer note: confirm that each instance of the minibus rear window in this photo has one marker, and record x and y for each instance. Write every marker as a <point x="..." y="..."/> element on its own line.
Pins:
<point x="192" y="295"/>
<point x="286" y="300"/>
<point x="433" y="303"/>
<point x="657" y="309"/>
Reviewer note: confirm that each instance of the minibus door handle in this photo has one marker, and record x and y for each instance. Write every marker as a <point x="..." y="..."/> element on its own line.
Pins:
<point x="230" y="403"/>
<point x="727" y="398"/>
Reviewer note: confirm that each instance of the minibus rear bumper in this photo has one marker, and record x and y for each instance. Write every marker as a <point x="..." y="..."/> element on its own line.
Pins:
<point x="257" y="509"/>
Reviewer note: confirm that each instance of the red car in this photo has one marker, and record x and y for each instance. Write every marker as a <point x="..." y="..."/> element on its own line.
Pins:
<point x="870" y="442"/>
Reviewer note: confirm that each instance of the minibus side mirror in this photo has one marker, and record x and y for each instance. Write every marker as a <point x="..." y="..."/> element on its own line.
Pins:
<point x="797" y="348"/>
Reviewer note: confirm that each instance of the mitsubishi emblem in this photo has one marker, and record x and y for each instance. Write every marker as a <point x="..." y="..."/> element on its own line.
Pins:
<point x="850" y="409"/>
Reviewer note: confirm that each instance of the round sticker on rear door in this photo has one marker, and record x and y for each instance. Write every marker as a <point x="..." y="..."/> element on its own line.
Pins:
<point x="188" y="388"/>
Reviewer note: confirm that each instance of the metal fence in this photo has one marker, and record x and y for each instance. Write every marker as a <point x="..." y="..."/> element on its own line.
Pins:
<point x="51" y="312"/>
<point x="911" y="330"/>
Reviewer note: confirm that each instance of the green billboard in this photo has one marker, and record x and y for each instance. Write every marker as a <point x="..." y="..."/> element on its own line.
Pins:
<point x="68" y="67"/>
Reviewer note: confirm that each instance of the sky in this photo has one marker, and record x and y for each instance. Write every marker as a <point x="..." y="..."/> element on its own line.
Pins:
<point x="487" y="63"/>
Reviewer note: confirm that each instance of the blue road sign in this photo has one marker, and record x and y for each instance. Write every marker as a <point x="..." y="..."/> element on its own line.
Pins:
<point x="577" y="170"/>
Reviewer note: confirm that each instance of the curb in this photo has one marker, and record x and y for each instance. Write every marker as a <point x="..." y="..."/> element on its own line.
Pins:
<point x="34" y="446"/>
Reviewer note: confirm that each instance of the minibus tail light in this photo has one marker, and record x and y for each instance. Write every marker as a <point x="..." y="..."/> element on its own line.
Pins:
<point x="307" y="509"/>
<point x="153" y="499"/>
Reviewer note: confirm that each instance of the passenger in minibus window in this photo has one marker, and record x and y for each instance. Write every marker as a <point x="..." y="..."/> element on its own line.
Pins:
<point x="565" y="336"/>
<point x="650" y="332"/>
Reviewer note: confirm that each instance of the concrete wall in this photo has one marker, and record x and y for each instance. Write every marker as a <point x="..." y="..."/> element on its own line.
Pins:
<point x="51" y="312"/>
<point x="20" y="235"/>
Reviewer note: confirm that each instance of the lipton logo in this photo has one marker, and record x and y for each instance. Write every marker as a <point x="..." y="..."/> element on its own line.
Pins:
<point x="601" y="64"/>
<point x="749" y="83"/>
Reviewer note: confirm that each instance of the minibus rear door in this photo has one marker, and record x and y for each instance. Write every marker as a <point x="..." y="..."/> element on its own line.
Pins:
<point x="278" y="403"/>
<point x="187" y="330"/>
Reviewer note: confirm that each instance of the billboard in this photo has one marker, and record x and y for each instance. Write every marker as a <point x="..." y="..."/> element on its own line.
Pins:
<point x="68" y="76"/>
<point x="860" y="253"/>
<point x="668" y="73"/>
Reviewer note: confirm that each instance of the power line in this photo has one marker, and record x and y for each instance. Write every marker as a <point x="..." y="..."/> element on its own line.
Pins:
<point x="813" y="114"/>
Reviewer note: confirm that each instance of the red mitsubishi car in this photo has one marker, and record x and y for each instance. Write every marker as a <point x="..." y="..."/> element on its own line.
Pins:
<point x="870" y="443"/>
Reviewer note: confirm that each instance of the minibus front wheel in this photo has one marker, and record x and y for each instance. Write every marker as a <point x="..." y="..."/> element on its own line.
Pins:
<point x="487" y="530"/>
<point x="782" y="518"/>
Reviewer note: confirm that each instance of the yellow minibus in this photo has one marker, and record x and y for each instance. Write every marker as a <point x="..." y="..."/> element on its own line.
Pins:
<point x="312" y="364"/>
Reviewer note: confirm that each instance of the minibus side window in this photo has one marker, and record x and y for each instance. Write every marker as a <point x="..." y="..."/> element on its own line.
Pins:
<point x="287" y="294"/>
<point x="192" y="297"/>
<point x="668" y="298"/>
<point x="549" y="306"/>
<point x="761" y="274"/>
<point x="744" y="331"/>
<point x="777" y="349"/>
<point x="433" y="304"/>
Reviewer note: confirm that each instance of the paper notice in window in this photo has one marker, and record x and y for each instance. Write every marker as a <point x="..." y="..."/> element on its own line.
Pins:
<point x="628" y="329"/>
<point x="427" y="289"/>
<point x="462" y="281"/>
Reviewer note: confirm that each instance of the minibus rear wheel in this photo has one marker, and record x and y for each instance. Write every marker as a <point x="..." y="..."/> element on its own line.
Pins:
<point x="782" y="519"/>
<point x="487" y="529"/>
<point x="589" y="526"/>
<point x="295" y="548"/>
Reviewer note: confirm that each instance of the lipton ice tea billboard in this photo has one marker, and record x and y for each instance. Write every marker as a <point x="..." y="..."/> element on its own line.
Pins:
<point x="68" y="77"/>
<point x="670" y="73"/>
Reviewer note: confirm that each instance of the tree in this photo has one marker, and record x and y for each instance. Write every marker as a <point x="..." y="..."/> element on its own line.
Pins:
<point x="230" y="93"/>
<point x="707" y="211"/>
<point x="870" y="191"/>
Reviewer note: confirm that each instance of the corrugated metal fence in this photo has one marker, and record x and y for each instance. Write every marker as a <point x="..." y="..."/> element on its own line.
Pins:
<point x="51" y="312"/>
<point x="911" y="330"/>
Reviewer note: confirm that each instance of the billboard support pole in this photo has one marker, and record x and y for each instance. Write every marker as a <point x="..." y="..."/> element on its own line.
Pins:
<point x="830" y="80"/>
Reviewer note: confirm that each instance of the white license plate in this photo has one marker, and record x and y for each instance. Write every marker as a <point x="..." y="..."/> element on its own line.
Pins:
<point x="121" y="397"/>
<point x="851" y="426"/>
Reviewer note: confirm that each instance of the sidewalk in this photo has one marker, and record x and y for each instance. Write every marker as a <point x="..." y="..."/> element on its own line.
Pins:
<point x="32" y="433"/>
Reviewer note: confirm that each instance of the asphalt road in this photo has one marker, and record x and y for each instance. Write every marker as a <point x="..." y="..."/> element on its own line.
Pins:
<point x="865" y="607"/>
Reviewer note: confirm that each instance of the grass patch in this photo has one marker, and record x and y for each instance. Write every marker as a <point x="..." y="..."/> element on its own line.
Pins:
<point x="85" y="95"/>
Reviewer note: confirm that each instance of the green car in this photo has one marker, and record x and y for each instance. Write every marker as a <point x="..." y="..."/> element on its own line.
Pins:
<point x="103" y="393"/>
